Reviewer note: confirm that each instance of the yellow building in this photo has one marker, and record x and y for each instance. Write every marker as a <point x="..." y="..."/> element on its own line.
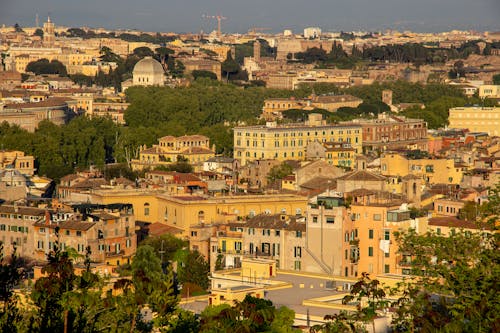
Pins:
<point x="289" y="141"/>
<point x="195" y="148"/>
<point x="489" y="91"/>
<point x="432" y="171"/>
<point x="476" y="119"/>
<point x="17" y="160"/>
<point x="185" y="211"/>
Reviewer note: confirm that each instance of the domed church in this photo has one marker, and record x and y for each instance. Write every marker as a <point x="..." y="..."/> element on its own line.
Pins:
<point x="148" y="72"/>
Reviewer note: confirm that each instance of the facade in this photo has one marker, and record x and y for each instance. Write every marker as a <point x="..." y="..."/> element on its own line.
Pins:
<point x="202" y="65"/>
<point x="431" y="171"/>
<point x="289" y="141"/>
<point x="489" y="91"/>
<point x="476" y="119"/>
<point x="327" y="218"/>
<point x="17" y="160"/>
<point x="334" y="153"/>
<point x="195" y="148"/>
<point x="393" y="132"/>
<point x="28" y="115"/>
<point x="148" y="72"/>
<point x="109" y="231"/>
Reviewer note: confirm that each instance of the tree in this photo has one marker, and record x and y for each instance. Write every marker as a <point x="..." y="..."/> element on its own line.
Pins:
<point x="38" y="32"/>
<point x="496" y="79"/>
<point x="49" y="290"/>
<point x="203" y="74"/>
<point x="43" y="66"/>
<point x="194" y="269"/>
<point x="142" y="52"/>
<point x="279" y="172"/>
<point x="11" y="274"/>
<point x="443" y="296"/>
<point x="370" y="292"/>
<point x="229" y="66"/>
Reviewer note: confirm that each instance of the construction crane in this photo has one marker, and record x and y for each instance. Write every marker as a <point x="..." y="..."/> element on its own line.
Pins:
<point x="219" y="18"/>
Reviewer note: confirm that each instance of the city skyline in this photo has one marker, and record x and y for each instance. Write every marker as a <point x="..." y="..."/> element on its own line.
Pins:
<point x="156" y="15"/>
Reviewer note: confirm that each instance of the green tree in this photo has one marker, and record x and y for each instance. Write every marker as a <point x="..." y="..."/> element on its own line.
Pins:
<point x="496" y="79"/>
<point x="194" y="269"/>
<point x="229" y="66"/>
<point x="279" y="172"/>
<point x="203" y="74"/>
<point x="11" y="274"/>
<point x="38" y="32"/>
<point x="43" y="66"/>
<point x="142" y="52"/>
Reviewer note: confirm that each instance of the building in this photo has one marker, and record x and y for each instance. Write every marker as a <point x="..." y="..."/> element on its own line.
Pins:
<point x="58" y="110"/>
<point x="108" y="230"/>
<point x="16" y="227"/>
<point x="489" y="91"/>
<point x="430" y="170"/>
<point x="476" y="119"/>
<point x="48" y="33"/>
<point x="289" y="141"/>
<point x="393" y="132"/>
<point x="274" y="107"/>
<point x="17" y="160"/>
<point x="334" y="153"/>
<point x="192" y="64"/>
<point x="194" y="148"/>
<point x="327" y="220"/>
<point x="148" y="72"/>
<point x="312" y="32"/>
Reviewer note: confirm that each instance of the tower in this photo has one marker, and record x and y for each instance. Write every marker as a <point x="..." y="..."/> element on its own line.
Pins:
<point x="256" y="50"/>
<point x="48" y="33"/>
<point x="412" y="189"/>
<point x="387" y="96"/>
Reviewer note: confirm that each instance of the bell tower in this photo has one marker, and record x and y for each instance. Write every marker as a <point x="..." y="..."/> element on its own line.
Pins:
<point x="48" y="33"/>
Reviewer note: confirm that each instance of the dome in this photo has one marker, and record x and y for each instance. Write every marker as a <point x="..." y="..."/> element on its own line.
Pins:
<point x="148" y="66"/>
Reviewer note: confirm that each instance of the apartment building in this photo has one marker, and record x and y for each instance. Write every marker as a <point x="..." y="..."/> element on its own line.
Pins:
<point x="289" y="141"/>
<point x="476" y="119"/>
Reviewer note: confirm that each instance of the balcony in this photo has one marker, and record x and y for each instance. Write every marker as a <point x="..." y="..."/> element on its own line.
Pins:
<point x="354" y="242"/>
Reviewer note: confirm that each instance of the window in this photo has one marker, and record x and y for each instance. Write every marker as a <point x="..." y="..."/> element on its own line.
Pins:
<point x="194" y="233"/>
<point x="40" y="245"/>
<point x="128" y="243"/>
<point x="438" y="230"/>
<point x="377" y="217"/>
<point x="370" y="233"/>
<point x="315" y="219"/>
<point x="297" y="251"/>
<point x="42" y="230"/>
<point x="370" y="251"/>
<point x="387" y="235"/>
<point x="330" y="220"/>
<point x="146" y="209"/>
<point x="277" y="233"/>
<point x="296" y="265"/>
<point x="2" y="227"/>
<point x="298" y="234"/>
<point x="67" y="232"/>
<point x="386" y="269"/>
<point x="79" y="234"/>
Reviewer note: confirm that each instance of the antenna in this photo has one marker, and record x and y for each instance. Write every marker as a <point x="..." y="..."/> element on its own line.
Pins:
<point x="36" y="20"/>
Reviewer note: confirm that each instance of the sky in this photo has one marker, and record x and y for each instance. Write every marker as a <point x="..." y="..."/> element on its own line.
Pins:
<point x="277" y="15"/>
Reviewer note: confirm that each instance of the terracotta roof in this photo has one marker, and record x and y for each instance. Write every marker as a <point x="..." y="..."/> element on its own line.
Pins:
<point x="21" y="210"/>
<point x="453" y="222"/>
<point x="196" y="150"/>
<point x="319" y="183"/>
<point x="362" y="175"/>
<point x="49" y="102"/>
<point x="158" y="229"/>
<point x="70" y="224"/>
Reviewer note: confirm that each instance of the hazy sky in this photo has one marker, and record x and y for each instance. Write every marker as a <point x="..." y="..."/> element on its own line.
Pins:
<point x="330" y="15"/>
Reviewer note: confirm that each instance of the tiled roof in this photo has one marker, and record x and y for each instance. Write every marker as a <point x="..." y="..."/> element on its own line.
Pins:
<point x="362" y="175"/>
<point x="453" y="222"/>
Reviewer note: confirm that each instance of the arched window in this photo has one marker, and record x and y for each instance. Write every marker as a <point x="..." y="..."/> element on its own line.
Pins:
<point x="201" y="216"/>
<point x="298" y="211"/>
<point x="146" y="209"/>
